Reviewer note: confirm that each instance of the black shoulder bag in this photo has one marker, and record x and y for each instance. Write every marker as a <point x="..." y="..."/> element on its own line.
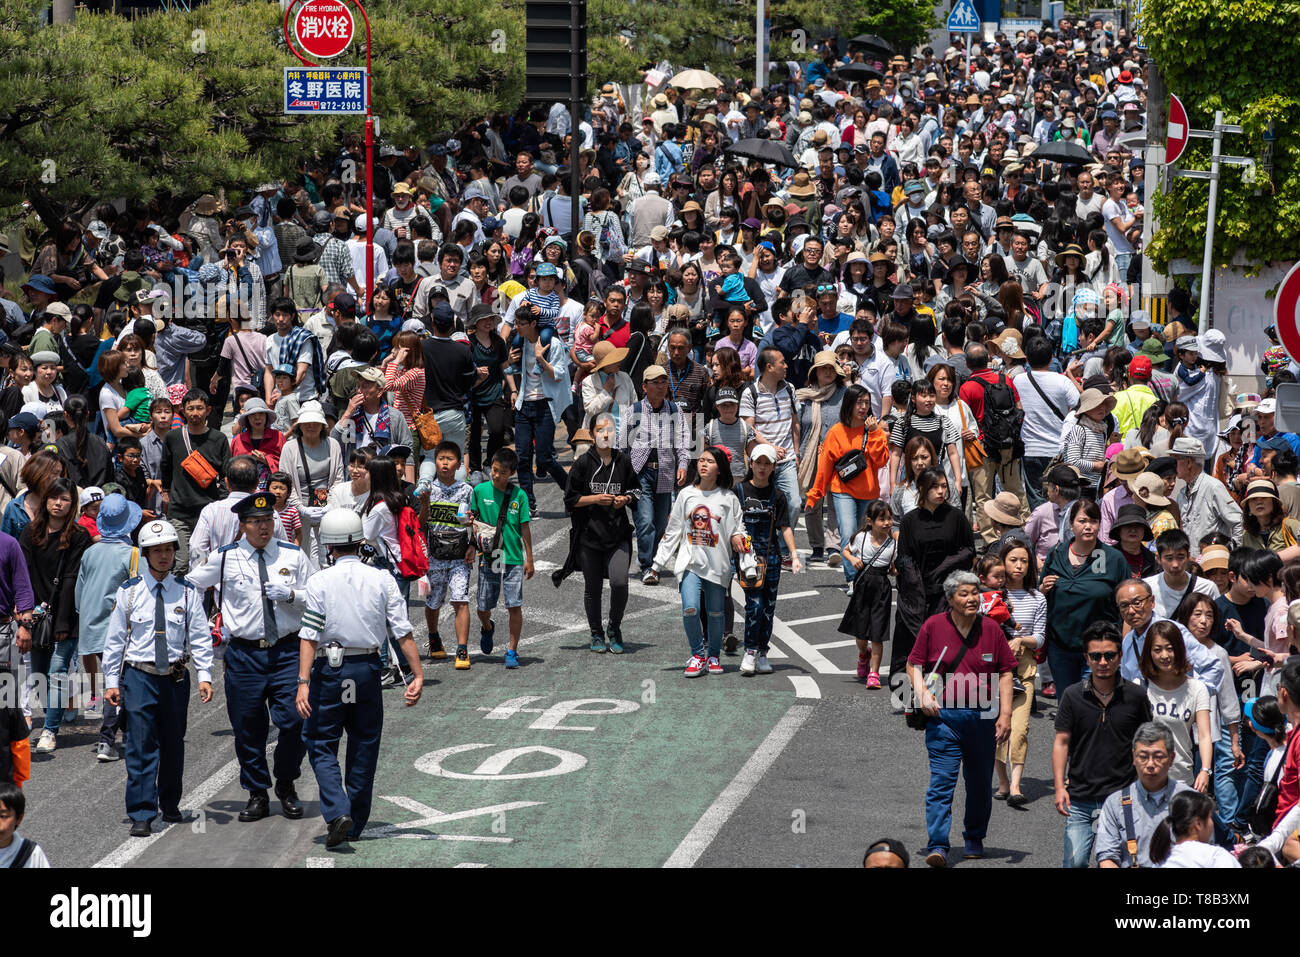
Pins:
<point x="43" y="630"/>
<point x="915" y="718"/>
<point x="852" y="463"/>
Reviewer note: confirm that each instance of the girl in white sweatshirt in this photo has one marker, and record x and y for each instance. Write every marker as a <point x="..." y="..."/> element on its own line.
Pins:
<point x="703" y="528"/>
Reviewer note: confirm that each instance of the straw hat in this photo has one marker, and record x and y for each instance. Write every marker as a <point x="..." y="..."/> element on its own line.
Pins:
<point x="1131" y="463"/>
<point x="606" y="354"/>
<point x="826" y="358"/>
<point x="1005" y="508"/>
<point x="1261" y="488"/>
<point x="1092" y="398"/>
<point x="1149" y="489"/>
<point x="1214" y="558"/>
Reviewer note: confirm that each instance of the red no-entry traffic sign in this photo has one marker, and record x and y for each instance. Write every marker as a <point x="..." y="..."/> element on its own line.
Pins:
<point x="1286" y="312"/>
<point x="323" y="28"/>
<point x="1179" y="130"/>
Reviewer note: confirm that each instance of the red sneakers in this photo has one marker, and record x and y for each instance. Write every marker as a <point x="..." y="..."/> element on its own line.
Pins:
<point x="715" y="666"/>
<point x="864" y="667"/>
<point x="695" y="667"/>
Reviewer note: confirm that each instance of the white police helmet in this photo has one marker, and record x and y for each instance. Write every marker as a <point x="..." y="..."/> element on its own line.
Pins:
<point x="158" y="532"/>
<point x="341" y="527"/>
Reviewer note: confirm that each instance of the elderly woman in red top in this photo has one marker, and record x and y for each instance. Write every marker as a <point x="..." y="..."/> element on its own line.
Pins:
<point x="256" y="439"/>
<point x="951" y="669"/>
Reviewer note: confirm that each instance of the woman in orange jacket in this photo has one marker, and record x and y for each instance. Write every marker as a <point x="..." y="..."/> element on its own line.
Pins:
<point x="855" y="450"/>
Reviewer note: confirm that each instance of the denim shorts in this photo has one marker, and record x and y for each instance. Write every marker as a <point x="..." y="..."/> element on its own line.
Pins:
<point x="489" y="586"/>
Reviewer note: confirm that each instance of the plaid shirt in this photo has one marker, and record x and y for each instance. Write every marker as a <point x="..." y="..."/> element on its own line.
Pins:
<point x="659" y="438"/>
<point x="335" y="260"/>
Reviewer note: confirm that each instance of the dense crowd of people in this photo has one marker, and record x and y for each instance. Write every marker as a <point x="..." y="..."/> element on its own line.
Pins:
<point x="915" y="337"/>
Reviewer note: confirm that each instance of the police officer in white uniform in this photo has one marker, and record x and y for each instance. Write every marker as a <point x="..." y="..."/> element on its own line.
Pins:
<point x="351" y="611"/>
<point x="261" y="584"/>
<point x="157" y="626"/>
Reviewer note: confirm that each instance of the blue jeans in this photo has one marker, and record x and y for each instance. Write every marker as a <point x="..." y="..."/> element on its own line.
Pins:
<point x="695" y="592"/>
<point x="786" y="478"/>
<point x="1225" y="787"/>
<point x="1121" y="263"/>
<point x="1250" y="779"/>
<point x="55" y="665"/>
<point x="960" y="738"/>
<point x="1080" y="832"/>
<point x="652" y="510"/>
<point x="848" y="515"/>
<point x="535" y="428"/>
<point x="1034" y="466"/>
<point x="1068" y="667"/>
<point x="760" y="607"/>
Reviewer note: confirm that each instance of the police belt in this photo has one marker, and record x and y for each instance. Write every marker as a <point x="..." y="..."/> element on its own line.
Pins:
<point x="176" y="669"/>
<point x="262" y="643"/>
<point x="351" y="652"/>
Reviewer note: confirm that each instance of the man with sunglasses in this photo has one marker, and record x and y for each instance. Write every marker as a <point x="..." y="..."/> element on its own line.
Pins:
<point x="1096" y="720"/>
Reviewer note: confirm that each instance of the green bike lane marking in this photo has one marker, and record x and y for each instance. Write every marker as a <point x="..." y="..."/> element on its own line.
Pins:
<point x="624" y="793"/>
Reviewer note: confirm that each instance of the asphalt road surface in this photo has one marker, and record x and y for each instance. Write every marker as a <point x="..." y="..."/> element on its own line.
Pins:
<point x="578" y="759"/>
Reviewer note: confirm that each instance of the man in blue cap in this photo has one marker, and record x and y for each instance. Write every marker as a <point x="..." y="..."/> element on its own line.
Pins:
<point x="260" y="586"/>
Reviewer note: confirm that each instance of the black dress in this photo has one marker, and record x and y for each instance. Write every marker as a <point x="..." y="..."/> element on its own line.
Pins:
<point x="930" y="546"/>
<point x="871" y="600"/>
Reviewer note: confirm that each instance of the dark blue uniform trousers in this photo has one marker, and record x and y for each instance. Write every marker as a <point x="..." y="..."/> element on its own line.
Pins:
<point x="262" y="686"/>
<point x="155" y="709"/>
<point x="347" y="698"/>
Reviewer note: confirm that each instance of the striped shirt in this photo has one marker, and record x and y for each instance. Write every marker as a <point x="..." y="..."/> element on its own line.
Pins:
<point x="1029" y="610"/>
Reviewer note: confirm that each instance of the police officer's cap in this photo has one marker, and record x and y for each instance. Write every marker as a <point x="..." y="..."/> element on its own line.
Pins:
<point x="258" y="505"/>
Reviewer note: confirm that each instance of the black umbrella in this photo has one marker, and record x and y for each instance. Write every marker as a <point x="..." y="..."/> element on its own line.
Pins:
<point x="872" y="43"/>
<point x="1064" y="151"/>
<point x="769" y="151"/>
<point x="858" y="73"/>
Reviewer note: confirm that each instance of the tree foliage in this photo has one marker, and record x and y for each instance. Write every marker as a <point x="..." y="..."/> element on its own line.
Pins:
<point x="1239" y="57"/>
<point x="175" y="104"/>
<point x="185" y="102"/>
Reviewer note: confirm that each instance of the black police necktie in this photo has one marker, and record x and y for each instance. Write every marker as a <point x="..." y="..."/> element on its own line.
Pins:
<point x="160" y="658"/>
<point x="269" y="632"/>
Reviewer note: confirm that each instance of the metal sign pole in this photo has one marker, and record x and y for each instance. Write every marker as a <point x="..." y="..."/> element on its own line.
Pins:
<point x="1217" y="150"/>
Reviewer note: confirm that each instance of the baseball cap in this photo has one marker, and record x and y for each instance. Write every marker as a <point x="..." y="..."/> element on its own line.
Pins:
<point x="1267" y="407"/>
<point x="726" y="394"/>
<point x="1140" y="367"/>
<point x="763" y="451"/>
<point x="654" y="372"/>
<point x="371" y="374"/>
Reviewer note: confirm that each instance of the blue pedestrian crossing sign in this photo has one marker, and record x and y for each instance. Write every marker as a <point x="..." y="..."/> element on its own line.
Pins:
<point x="963" y="18"/>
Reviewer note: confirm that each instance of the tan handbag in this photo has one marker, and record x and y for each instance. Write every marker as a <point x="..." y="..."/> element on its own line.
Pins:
<point x="426" y="425"/>
<point x="973" y="451"/>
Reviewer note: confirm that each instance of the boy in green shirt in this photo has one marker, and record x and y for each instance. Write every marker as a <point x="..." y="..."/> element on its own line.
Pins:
<point x="511" y="562"/>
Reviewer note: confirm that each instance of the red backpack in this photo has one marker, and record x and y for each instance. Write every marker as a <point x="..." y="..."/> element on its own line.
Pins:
<point x="414" y="553"/>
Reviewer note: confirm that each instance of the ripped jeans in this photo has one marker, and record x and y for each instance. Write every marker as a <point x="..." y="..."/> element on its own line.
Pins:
<point x="695" y="590"/>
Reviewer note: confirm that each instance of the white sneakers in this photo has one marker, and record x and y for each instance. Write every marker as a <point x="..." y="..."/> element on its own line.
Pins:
<point x="47" y="742"/>
<point x="761" y="665"/>
<point x="747" y="665"/>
